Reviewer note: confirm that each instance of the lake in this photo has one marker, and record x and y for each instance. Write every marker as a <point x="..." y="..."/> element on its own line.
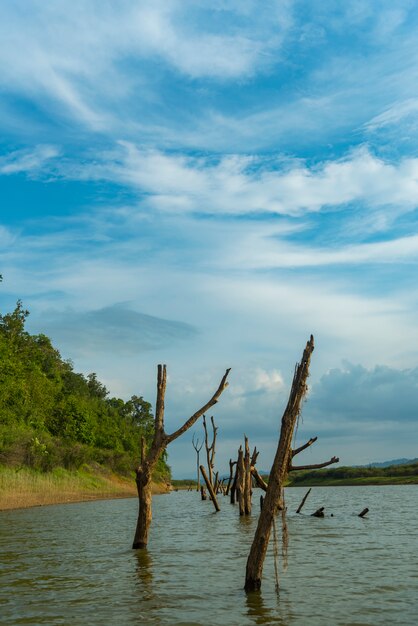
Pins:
<point x="73" y="564"/>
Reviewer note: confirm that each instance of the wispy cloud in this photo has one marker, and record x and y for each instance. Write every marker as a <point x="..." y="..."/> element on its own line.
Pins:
<point x="29" y="161"/>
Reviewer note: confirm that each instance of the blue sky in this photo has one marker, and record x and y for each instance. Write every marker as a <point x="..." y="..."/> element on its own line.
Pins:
<point x="206" y="186"/>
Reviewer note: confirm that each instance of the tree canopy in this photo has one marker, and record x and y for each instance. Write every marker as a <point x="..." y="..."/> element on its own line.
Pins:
<point x="43" y="399"/>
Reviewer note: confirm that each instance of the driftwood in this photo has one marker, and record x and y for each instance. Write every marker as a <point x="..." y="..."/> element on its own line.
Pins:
<point x="274" y="493"/>
<point x="319" y="512"/>
<point x="363" y="513"/>
<point x="160" y="442"/>
<point x="210" y="489"/>
<point x="198" y="449"/>
<point x="203" y="493"/>
<point x="300" y="507"/>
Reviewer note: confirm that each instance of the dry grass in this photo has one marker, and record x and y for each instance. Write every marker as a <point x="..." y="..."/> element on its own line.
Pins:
<point x="25" y="487"/>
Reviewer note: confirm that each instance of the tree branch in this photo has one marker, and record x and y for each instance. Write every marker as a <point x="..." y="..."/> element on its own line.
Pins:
<point x="159" y="409"/>
<point x="258" y="479"/>
<point x="305" y="445"/>
<point x="294" y="468"/>
<point x="214" y="399"/>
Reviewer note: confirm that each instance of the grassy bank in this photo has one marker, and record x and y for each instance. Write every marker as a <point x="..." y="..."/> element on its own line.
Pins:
<point x="26" y="487"/>
<point x="406" y="474"/>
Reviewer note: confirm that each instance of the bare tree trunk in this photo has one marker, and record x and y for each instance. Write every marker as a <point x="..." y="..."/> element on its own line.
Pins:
<point x="300" y="507"/>
<point x="278" y="472"/>
<point x="231" y="475"/>
<point x="210" y="449"/>
<point x="234" y="484"/>
<point x="210" y="489"/>
<point x="198" y="449"/>
<point x="240" y="481"/>
<point x="160" y="442"/>
<point x="143" y="482"/>
<point x="247" y="479"/>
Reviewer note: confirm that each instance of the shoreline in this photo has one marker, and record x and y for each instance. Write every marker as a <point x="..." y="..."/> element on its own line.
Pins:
<point x="28" y="489"/>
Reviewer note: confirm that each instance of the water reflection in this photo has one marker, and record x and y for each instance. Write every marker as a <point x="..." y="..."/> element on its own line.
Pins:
<point x="144" y="571"/>
<point x="258" y="611"/>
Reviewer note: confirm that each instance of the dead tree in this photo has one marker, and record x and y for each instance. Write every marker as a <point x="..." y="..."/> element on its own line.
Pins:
<point x="300" y="507"/>
<point x="233" y="492"/>
<point x="240" y="481"/>
<point x="198" y="449"/>
<point x="210" y="489"/>
<point x="278" y="472"/>
<point x="159" y="443"/>
<point x="210" y="449"/>
<point x="281" y="466"/>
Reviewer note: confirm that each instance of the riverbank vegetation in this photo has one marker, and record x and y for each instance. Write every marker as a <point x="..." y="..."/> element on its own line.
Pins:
<point x="392" y="475"/>
<point x="52" y="417"/>
<point x="404" y="474"/>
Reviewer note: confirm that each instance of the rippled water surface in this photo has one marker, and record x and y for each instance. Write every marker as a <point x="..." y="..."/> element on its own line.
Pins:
<point x="72" y="564"/>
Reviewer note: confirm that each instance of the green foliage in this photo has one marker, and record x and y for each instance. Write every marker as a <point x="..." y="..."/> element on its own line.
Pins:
<point x="52" y="416"/>
<point x="407" y="473"/>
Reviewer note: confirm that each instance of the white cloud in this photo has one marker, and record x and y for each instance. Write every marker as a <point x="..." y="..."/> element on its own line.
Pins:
<point x="78" y="55"/>
<point x="28" y="160"/>
<point x="245" y="185"/>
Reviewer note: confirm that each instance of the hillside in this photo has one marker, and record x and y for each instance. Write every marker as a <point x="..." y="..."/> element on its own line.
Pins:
<point x="51" y="416"/>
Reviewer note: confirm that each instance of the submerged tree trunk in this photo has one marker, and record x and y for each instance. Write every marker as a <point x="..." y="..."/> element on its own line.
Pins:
<point x="278" y="472"/>
<point x="210" y="449"/>
<point x="143" y="482"/>
<point x="198" y="449"/>
<point x="210" y="489"/>
<point x="160" y="442"/>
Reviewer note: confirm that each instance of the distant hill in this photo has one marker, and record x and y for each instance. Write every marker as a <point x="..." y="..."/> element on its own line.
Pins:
<point x="390" y="463"/>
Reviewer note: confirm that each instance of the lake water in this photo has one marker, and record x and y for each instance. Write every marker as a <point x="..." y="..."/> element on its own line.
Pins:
<point x="72" y="564"/>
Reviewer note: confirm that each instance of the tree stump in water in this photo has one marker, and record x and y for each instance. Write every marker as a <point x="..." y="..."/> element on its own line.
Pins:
<point x="319" y="512"/>
<point x="160" y="442"/>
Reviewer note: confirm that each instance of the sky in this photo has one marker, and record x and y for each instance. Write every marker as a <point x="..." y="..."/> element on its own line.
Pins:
<point x="205" y="185"/>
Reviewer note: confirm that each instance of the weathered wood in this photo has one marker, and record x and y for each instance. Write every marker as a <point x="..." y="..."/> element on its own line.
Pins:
<point x="240" y="481"/>
<point x="305" y="445"/>
<point x="234" y="484"/>
<point x="197" y="449"/>
<point x="210" y="449"/>
<point x="210" y="489"/>
<point x="319" y="512"/>
<point x="293" y="468"/>
<point x="203" y="493"/>
<point x="247" y="492"/>
<point x="278" y="472"/>
<point x="261" y="502"/>
<point x="231" y="476"/>
<point x="160" y="441"/>
<point x="259" y="479"/>
<point x="300" y="507"/>
<point x="363" y="513"/>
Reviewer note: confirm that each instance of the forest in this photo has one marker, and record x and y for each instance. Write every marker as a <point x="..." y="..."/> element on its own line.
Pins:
<point x="52" y="416"/>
